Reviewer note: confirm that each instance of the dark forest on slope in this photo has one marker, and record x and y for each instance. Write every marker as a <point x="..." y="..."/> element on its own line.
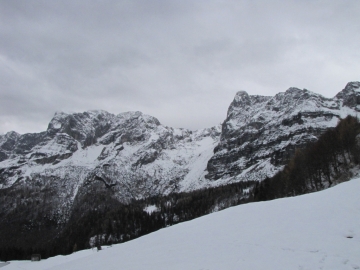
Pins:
<point x="322" y="164"/>
<point x="108" y="221"/>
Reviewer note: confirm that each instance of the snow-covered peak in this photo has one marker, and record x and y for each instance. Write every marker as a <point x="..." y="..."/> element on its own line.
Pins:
<point x="353" y="86"/>
<point x="294" y="90"/>
<point x="84" y="127"/>
<point x="136" y="115"/>
<point x="129" y="115"/>
<point x="241" y="99"/>
<point x="8" y="140"/>
<point x="350" y="95"/>
<point x="11" y="134"/>
<point x="350" y="89"/>
<point x="261" y="133"/>
<point x="213" y="132"/>
<point x="95" y="113"/>
<point x="254" y="108"/>
<point x="241" y="94"/>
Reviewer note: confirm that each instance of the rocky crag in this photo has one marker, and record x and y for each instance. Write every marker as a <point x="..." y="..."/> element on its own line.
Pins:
<point x="261" y="133"/>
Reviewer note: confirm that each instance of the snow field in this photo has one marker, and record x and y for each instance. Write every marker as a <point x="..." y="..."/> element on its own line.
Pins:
<point x="314" y="231"/>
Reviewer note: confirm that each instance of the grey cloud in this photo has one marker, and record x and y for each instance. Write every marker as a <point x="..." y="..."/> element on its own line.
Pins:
<point x="180" y="61"/>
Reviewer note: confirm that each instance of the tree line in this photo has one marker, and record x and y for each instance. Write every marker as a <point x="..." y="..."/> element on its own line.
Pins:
<point x="110" y="221"/>
<point x="322" y="164"/>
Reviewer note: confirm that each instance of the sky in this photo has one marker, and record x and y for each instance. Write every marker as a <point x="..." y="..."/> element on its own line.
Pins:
<point x="181" y="61"/>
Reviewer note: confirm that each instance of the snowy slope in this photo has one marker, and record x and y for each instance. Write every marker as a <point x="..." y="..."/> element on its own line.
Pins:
<point x="314" y="231"/>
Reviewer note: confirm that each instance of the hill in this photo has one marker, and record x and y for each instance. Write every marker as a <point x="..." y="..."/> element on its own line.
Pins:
<point x="313" y="231"/>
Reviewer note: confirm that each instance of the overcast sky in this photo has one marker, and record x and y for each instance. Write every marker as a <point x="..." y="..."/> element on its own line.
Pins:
<point x="180" y="61"/>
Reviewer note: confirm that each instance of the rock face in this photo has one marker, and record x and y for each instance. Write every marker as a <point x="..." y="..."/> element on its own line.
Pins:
<point x="131" y="155"/>
<point x="260" y="133"/>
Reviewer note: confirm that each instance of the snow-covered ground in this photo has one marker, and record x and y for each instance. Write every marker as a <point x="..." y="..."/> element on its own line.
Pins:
<point x="314" y="231"/>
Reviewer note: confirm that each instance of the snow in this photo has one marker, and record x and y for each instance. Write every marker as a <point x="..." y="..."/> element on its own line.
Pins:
<point x="178" y="132"/>
<point x="3" y="264"/>
<point x="197" y="168"/>
<point x="88" y="155"/>
<point x="49" y="263"/>
<point x="57" y="125"/>
<point x="314" y="231"/>
<point x="150" y="208"/>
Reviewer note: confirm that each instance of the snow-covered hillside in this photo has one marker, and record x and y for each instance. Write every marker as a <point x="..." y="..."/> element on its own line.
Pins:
<point x="314" y="231"/>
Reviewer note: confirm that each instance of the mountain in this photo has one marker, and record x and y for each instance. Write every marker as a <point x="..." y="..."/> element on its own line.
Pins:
<point x="313" y="231"/>
<point x="260" y="133"/>
<point x="100" y="145"/>
<point x="131" y="153"/>
<point x="85" y="160"/>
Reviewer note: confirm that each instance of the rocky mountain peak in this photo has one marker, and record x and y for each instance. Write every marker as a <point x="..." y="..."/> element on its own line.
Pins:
<point x="294" y="91"/>
<point x="11" y="135"/>
<point x="241" y="99"/>
<point x="261" y="133"/>
<point x="7" y="143"/>
<point x="84" y="127"/>
<point x="242" y="103"/>
<point x="241" y="93"/>
<point x="352" y="86"/>
<point x="350" y="95"/>
<point x="139" y="118"/>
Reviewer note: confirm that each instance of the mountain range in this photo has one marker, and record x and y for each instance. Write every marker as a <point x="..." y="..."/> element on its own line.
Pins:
<point x="132" y="156"/>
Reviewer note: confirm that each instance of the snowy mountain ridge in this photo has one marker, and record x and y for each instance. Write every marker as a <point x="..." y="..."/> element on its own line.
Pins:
<point x="134" y="156"/>
<point x="261" y="133"/>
